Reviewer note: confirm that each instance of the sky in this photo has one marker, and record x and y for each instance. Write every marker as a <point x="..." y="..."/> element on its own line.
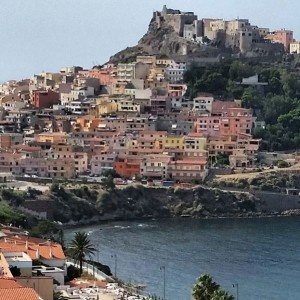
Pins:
<point x="38" y="36"/>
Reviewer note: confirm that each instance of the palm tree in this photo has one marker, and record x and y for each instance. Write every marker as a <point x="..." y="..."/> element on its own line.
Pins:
<point x="204" y="288"/>
<point x="221" y="295"/>
<point x="80" y="247"/>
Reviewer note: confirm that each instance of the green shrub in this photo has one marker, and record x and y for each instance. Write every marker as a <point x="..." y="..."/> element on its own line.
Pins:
<point x="282" y="164"/>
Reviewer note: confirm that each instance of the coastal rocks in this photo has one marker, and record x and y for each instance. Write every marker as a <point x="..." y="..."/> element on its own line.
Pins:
<point x="199" y="202"/>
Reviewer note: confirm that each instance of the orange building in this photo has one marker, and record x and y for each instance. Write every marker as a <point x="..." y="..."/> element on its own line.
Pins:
<point x="105" y="76"/>
<point x="87" y="123"/>
<point x="128" y="167"/>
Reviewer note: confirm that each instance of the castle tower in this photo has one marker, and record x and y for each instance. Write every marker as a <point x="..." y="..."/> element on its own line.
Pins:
<point x="164" y="11"/>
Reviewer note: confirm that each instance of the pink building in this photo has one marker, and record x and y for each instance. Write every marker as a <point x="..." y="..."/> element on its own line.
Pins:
<point x="282" y="36"/>
<point x="233" y="121"/>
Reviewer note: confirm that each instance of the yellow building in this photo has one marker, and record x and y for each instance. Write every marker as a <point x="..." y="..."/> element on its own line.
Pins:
<point x="146" y="59"/>
<point x="156" y="72"/>
<point x="173" y="141"/>
<point x="53" y="138"/>
<point x="163" y="61"/>
<point x="105" y="106"/>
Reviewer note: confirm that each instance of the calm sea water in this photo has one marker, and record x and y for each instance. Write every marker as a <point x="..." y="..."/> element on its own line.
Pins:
<point x="261" y="255"/>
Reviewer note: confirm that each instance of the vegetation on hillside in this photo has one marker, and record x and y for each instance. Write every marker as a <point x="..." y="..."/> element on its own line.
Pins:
<point x="138" y="201"/>
<point x="272" y="182"/>
<point x="278" y="104"/>
<point x="10" y="216"/>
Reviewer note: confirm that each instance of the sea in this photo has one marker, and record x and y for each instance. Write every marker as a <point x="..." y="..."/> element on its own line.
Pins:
<point x="258" y="258"/>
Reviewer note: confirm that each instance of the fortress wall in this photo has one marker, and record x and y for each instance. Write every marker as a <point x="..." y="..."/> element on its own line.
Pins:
<point x="178" y="21"/>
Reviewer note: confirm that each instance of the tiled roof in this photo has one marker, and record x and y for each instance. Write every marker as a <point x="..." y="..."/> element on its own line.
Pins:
<point x="20" y="293"/>
<point x="8" y="283"/>
<point x="189" y="162"/>
<point x="221" y="106"/>
<point x="46" y="250"/>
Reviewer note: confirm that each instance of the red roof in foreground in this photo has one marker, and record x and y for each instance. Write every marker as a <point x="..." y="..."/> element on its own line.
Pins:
<point x="8" y="283"/>
<point x="20" y="293"/>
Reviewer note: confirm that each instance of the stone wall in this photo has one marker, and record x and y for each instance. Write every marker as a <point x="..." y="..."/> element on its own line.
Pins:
<point x="277" y="202"/>
<point x="178" y="22"/>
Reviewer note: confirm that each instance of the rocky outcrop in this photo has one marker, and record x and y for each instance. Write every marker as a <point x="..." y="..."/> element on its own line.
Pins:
<point x="163" y="41"/>
<point x="139" y="202"/>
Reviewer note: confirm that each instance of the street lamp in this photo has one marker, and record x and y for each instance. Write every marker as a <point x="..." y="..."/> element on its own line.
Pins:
<point x="236" y="285"/>
<point x="163" y="268"/>
<point x="116" y="263"/>
<point x="98" y="253"/>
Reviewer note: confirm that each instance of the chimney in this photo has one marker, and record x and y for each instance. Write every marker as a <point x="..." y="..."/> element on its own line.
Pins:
<point x="26" y="245"/>
<point x="50" y="254"/>
<point x="38" y="252"/>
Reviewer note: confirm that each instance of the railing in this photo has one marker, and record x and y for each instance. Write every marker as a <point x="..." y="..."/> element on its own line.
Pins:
<point x="90" y="269"/>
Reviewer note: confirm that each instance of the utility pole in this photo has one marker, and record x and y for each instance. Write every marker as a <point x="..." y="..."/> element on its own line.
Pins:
<point x="236" y="285"/>
<point x="116" y="263"/>
<point x="163" y="268"/>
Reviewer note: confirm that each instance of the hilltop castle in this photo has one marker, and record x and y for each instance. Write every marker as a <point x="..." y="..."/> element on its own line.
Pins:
<point x="237" y="34"/>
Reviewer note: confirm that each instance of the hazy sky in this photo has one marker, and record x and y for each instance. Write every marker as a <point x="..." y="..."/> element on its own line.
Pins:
<point x="40" y="35"/>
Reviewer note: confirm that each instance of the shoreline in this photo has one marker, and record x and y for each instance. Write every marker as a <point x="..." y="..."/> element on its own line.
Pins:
<point x="143" y="219"/>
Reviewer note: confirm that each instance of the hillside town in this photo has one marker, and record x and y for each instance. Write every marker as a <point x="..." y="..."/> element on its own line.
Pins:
<point x="137" y="120"/>
<point x="134" y="118"/>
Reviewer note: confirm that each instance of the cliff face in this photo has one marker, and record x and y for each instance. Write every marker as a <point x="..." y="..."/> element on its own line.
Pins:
<point x="139" y="201"/>
<point x="162" y="40"/>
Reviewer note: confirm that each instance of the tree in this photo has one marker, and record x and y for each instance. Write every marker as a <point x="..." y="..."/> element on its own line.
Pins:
<point x="276" y="106"/>
<point x="251" y="99"/>
<point x="15" y="271"/>
<point x="59" y="296"/>
<point x="221" y="295"/>
<point x="44" y="228"/>
<point x="108" y="183"/>
<point x="72" y="272"/>
<point x="204" y="288"/>
<point x="81" y="247"/>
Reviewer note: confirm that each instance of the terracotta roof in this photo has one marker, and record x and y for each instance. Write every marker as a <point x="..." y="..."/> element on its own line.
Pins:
<point x="194" y="134"/>
<point x="46" y="250"/>
<point x="189" y="162"/>
<point x="221" y="106"/>
<point x="8" y="283"/>
<point x="18" y="294"/>
<point x="4" y="266"/>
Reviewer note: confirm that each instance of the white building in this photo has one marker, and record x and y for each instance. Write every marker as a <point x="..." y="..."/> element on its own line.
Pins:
<point x="203" y="104"/>
<point x="295" y="47"/>
<point x="175" y="71"/>
<point x="76" y="94"/>
<point x="56" y="273"/>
